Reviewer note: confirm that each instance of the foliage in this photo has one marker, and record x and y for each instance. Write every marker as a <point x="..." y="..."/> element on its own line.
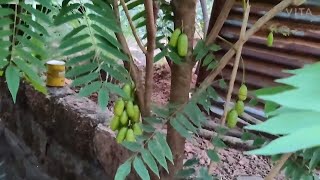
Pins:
<point x="293" y="119"/>
<point x="154" y="149"/>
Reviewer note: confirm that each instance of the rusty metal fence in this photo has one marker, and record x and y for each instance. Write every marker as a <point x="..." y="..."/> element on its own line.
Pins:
<point x="296" y="42"/>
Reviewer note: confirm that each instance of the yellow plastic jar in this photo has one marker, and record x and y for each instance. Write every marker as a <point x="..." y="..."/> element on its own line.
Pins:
<point x="56" y="73"/>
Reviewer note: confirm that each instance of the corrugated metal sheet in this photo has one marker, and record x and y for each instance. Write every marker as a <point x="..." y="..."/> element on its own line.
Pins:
<point x="265" y="64"/>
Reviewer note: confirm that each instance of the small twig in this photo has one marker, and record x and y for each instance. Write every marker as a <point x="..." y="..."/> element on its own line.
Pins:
<point x="236" y="63"/>
<point x="276" y="169"/>
<point x="133" y="29"/>
<point x="151" y="37"/>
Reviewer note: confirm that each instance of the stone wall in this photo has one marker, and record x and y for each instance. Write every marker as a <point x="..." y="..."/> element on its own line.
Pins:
<point x="65" y="133"/>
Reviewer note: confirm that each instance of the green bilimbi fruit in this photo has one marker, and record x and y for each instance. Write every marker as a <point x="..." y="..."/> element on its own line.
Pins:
<point x="115" y="123"/>
<point x="239" y="107"/>
<point x="119" y="107"/>
<point x="130" y="109"/>
<point x="127" y="89"/>
<point x="174" y="37"/>
<point x="137" y="129"/>
<point x="124" y="119"/>
<point x="270" y="39"/>
<point x="243" y="92"/>
<point x="121" y="134"/>
<point x="183" y="45"/>
<point x="136" y="117"/>
<point x="130" y="136"/>
<point x="232" y="118"/>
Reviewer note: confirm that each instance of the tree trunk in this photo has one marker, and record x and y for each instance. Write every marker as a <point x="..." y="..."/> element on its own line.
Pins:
<point x="184" y="13"/>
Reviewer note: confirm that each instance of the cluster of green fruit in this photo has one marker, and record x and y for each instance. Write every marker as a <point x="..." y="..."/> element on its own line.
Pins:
<point x="126" y="117"/>
<point x="179" y="40"/>
<point x="238" y="109"/>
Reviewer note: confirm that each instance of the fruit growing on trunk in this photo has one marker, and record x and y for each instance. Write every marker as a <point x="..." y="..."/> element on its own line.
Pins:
<point x="119" y="107"/>
<point x="130" y="109"/>
<point x="183" y="45"/>
<point x="137" y="129"/>
<point x="130" y="136"/>
<point x="124" y="119"/>
<point x="174" y="37"/>
<point x="121" y="135"/>
<point x="115" y="123"/>
<point x="136" y="117"/>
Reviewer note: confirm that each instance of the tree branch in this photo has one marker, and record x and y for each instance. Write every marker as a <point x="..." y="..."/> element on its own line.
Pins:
<point x="236" y="63"/>
<point x="133" y="29"/>
<point x="131" y="66"/>
<point x="220" y="21"/>
<point x="151" y="37"/>
<point x="276" y="169"/>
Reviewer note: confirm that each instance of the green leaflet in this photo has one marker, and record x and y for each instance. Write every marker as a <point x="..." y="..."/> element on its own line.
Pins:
<point x="208" y="59"/>
<point x="35" y="47"/>
<point x="213" y="155"/>
<point x="62" y="20"/>
<point x="24" y="67"/>
<point x="81" y="69"/>
<point x="6" y="11"/>
<point x="315" y="160"/>
<point x="116" y="89"/>
<point x="302" y="139"/>
<point x="132" y="146"/>
<point x="123" y="171"/>
<point x="105" y="34"/>
<point x="191" y="162"/>
<point x="160" y="55"/>
<point x="13" y="80"/>
<point x="141" y="168"/>
<point x="113" y="51"/>
<point x="5" y="22"/>
<point x="74" y="32"/>
<point x="158" y="154"/>
<point x="85" y="79"/>
<point x="149" y="160"/>
<point x="77" y="49"/>
<point x="186" y="123"/>
<point x="38" y="14"/>
<point x="34" y="24"/>
<point x="185" y="173"/>
<point x="78" y="59"/>
<point x="90" y="88"/>
<point x="116" y="74"/>
<point x="103" y="98"/>
<point x="164" y="145"/>
<point x="175" y="57"/>
<point x="286" y="123"/>
<point x="67" y="43"/>
<point x="178" y="127"/>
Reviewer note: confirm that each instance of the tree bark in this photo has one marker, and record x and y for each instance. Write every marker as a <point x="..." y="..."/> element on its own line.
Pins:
<point x="184" y="14"/>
